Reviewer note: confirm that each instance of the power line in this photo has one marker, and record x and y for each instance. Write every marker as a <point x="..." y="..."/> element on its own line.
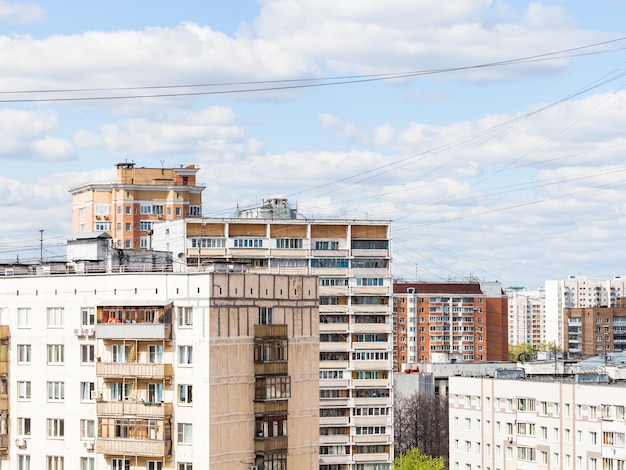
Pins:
<point x="290" y="84"/>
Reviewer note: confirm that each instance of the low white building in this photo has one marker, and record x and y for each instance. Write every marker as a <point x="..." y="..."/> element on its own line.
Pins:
<point x="530" y="423"/>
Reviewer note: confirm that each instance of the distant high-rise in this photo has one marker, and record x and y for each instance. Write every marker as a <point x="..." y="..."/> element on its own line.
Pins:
<point x="127" y="208"/>
<point x="578" y="292"/>
<point x="526" y="316"/>
<point x="443" y="322"/>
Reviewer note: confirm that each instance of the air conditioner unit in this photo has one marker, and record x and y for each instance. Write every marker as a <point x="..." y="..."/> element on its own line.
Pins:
<point x="78" y="331"/>
<point x="98" y="217"/>
<point x="510" y="438"/>
<point x="93" y="395"/>
<point x="160" y="216"/>
<point x="106" y="217"/>
<point x="21" y="443"/>
<point x="90" y="331"/>
<point x="89" y="445"/>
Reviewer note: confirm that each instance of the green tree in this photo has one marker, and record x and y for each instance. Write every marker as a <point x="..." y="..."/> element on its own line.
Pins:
<point x="413" y="459"/>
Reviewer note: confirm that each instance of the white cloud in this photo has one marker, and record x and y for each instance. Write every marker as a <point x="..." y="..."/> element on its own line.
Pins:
<point x="21" y="13"/>
<point x="26" y="135"/>
<point x="187" y="54"/>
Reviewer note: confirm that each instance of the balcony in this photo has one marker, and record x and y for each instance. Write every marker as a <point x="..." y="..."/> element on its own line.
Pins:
<point x="4" y="332"/>
<point x="132" y="447"/>
<point x="270" y="331"/>
<point x="4" y="402"/>
<point x="4" y="443"/>
<point x="133" y="370"/>
<point x="270" y="444"/>
<point x="371" y="457"/>
<point x="271" y="368"/>
<point x="134" y="408"/>
<point x="270" y="407"/>
<point x="133" y="331"/>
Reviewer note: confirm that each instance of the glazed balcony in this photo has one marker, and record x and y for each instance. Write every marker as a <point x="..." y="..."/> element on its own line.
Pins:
<point x="134" y="370"/>
<point x="138" y="331"/>
<point x="270" y="407"/>
<point x="270" y="444"/>
<point x="134" y="447"/>
<point x="270" y="331"/>
<point x="134" y="408"/>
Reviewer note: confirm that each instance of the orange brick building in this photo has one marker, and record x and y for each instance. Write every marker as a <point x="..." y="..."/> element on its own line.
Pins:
<point x="426" y="332"/>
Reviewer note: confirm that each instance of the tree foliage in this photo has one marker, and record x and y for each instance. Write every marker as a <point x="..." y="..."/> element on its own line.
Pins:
<point x="421" y="422"/>
<point x="413" y="459"/>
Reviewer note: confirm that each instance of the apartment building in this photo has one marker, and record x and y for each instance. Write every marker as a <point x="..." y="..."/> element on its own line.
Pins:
<point x="127" y="208"/>
<point x="526" y="423"/>
<point x="526" y="316"/>
<point x="352" y="259"/>
<point x="577" y="292"/>
<point x="448" y="322"/>
<point x="598" y="330"/>
<point x="159" y="370"/>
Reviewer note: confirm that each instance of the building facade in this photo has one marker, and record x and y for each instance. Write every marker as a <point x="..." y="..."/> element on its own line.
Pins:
<point x="527" y="323"/>
<point x="529" y="423"/>
<point x="577" y="292"/>
<point x="158" y="371"/>
<point x="593" y="331"/>
<point x="448" y="322"/>
<point x="128" y="208"/>
<point x="352" y="259"/>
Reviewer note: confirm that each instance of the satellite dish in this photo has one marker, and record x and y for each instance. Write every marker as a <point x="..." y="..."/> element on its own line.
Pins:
<point x="181" y="255"/>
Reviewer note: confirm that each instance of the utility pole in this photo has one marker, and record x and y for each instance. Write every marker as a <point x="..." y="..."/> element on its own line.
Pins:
<point x="40" y="246"/>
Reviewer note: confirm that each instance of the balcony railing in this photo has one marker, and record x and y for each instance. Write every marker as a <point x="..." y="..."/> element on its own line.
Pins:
<point x="132" y="370"/>
<point x="133" y="331"/>
<point x="270" y="444"/>
<point x="131" y="447"/>
<point x="134" y="408"/>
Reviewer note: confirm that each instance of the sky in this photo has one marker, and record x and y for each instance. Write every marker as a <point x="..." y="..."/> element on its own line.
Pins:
<point x="492" y="133"/>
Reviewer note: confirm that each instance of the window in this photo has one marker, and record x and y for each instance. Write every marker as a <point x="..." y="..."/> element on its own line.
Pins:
<point x="145" y="225"/>
<point x="128" y="210"/>
<point x="102" y="209"/>
<point x="23" y="426"/>
<point x="55" y="317"/>
<point x="155" y="393"/>
<point x="184" y="433"/>
<point x="121" y="352"/>
<point x="154" y="464"/>
<point x="593" y="438"/>
<point x="155" y="353"/>
<point x="194" y="211"/>
<point x="56" y="428"/>
<point x="593" y="412"/>
<point x="184" y="466"/>
<point x="23" y="353"/>
<point x="266" y="315"/>
<point x="185" y="316"/>
<point x="185" y="355"/>
<point x="120" y="391"/>
<point x="289" y="243"/>
<point x="185" y="395"/>
<point x="56" y="391"/>
<point x="87" y="316"/>
<point x="525" y="404"/>
<point x="87" y="391"/>
<point x="23" y="390"/>
<point x="100" y="226"/>
<point x="543" y="457"/>
<point x="56" y="353"/>
<point x="87" y="353"/>
<point x="326" y="245"/>
<point x="23" y="462"/>
<point x="120" y="464"/>
<point x="87" y="427"/>
<point x="555" y="409"/>
<point x="54" y="462"/>
<point x="87" y="463"/>
<point x="23" y="317"/>
<point x="248" y="243"/>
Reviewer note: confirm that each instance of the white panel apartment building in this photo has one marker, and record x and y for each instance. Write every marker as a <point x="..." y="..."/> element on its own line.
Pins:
<point x="152" y="371"/>
<point x="528" y="424"/>
<point x="581" y="292"/>
<point x="526" y="316"/>
<point x="353" y="261"/>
